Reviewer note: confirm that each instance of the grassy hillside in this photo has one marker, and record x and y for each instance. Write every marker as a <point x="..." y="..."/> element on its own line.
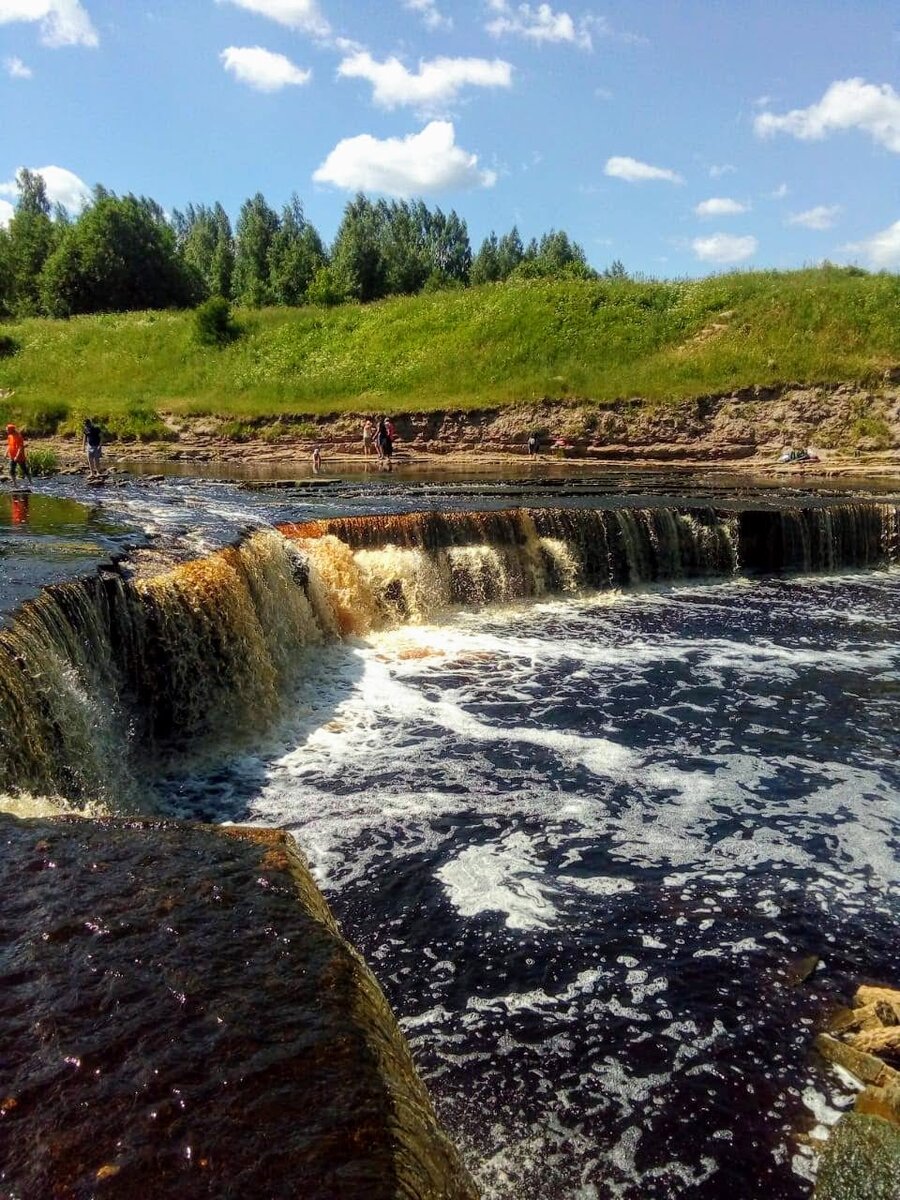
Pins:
<point x="489" y="345"/>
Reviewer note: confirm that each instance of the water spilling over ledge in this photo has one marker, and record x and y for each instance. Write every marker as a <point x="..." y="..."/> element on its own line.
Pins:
<point x="602" y="804"/>
<point x="102" y="678"/>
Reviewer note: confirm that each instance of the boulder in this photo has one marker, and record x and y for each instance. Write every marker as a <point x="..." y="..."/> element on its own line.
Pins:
<point x="861" y="1161"/>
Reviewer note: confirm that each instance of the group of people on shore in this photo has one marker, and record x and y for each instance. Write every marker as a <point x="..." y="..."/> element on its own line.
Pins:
<point x="379" y="436"/>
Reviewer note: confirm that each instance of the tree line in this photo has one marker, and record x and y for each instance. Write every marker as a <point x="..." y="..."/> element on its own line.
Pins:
<point x="124" y="253"/>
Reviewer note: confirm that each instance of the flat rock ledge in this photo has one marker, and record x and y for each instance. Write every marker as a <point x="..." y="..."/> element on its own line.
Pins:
<point x="179" y="1015"/>
<point x="861" y="1160"/>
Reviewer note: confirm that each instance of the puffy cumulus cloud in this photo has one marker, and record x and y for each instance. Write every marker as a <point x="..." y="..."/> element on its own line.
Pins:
<point x="302" y="15"/>
<point x="882" y="251"/>
<point x="430" y="13"/>
<point x="720" y="206"/>
<point x="261" y="69"/>
<point x="422" y="163"/>
<point x="847" y="104"/>
<point x="435" y="84"/>
<point x="6" y="213"/>
<point x="63" y="187"/>
<point x="724" y="248"/>
<point x="634" y="171"/>
<point x="823" y="216"/>
<point x="16" y="69"/>
<point x="63" y="22"/>
<point x="537" y="23"/>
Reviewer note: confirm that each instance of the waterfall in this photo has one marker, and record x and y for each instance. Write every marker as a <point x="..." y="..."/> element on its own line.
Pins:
<point x="100" y="677"/>
<point x="103" y="679"/>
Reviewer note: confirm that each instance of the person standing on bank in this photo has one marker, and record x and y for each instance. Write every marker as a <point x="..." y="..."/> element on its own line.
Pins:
<point x="15" y="452"/>
<point x="92" y="444"/>
<point x="385" y="444"/>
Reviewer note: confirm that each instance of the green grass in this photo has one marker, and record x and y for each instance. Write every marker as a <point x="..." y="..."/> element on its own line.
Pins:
<point x="42" y="461"/>
<point x="599" y="341"/>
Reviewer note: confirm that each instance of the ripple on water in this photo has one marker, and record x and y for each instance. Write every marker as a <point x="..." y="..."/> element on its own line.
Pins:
<point x="581" y="844"/>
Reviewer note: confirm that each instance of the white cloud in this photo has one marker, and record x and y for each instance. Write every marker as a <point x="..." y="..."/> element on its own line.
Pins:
<point x="16" y="69"/>
<point x="823" y="216"/>
<point x="261" y="69"/>
<point x="63" y="22"/>
<point x="435" y="84"/>
<point x="6" y="213"/>
<point x="780" y="192"/>
<point x="302" y="15"/>
<point x="882" y="251"/>
<point x="720" y="206"/>
<point x="430" y="13"/>
<point x="724" y="248"/>
<point x="847" y="104"/>
<point x="63" y="187"/>
<point x="633" y="171"/>
<point x="421" y="163"/>
<point x="538" y="23"/>
<point x="716" y="171"/>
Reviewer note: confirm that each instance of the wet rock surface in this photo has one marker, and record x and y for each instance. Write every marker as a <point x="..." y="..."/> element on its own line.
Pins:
<point x="179" y="1015"/>
<point x="862" y="1158"/>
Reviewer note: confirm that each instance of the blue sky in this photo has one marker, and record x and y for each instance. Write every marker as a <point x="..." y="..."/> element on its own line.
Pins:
<point x="619" y="122"/>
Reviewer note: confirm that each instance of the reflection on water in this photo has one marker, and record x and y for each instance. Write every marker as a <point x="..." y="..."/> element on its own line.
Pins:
<point x="584" y="843"/>
<point x="45" y="538"/>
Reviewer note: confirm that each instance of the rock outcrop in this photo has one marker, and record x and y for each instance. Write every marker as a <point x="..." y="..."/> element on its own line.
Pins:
<point x="861" y="1160"/>
<point x="179" y="1015"/>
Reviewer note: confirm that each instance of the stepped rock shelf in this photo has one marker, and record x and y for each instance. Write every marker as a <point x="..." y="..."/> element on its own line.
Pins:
<point x="179" y="1014"/>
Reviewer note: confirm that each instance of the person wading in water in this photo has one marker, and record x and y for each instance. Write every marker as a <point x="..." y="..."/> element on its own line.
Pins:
<point x="92" y="443"/>
<point x="15" y="452"/>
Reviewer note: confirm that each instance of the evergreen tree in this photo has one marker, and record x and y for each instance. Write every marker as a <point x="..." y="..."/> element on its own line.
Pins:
<point x="510" y="252"/>
<point x="451" y="251"/>
<point x="554" y="256"/>
<point x="7" y="298"/>
<point x="295" y="256"/>
<point x="221" y="281"/>
<point x="256" y="229"/>
<point x="486" y="264"/>
<point x="359" y="265"/>
<point x="31" y="241"/>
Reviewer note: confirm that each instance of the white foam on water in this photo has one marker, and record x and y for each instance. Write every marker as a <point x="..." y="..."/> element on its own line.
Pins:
<point x="509" y="756"/>
<point x="504" y="878"/>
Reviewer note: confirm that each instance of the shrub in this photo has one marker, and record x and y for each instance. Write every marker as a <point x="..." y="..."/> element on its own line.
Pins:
<point x="42" y="461"/>
<point x="214" y="324"/>
<point x="8" y="345"/>
<point x="138" y="423"/>
<point x="326" y="289"/>
<point x="45" y="420"/>
<point x="236" y="431"/>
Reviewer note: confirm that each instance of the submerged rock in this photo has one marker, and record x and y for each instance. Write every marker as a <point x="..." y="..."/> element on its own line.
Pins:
<point x="179" y="1015"/>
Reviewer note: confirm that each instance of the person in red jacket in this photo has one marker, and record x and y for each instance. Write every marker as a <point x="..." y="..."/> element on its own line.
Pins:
<point x="15" y="452"/>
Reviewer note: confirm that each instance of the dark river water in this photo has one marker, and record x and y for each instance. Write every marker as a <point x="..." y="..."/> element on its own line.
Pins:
<point x="585" y="845"/>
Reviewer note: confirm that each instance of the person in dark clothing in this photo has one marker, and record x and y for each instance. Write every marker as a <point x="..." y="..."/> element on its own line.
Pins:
<point x="92" y="443"/>
<point x="385" y="444"/>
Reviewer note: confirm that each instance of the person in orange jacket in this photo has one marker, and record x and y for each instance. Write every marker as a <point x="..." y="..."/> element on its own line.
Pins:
<point x="15" y="452"/>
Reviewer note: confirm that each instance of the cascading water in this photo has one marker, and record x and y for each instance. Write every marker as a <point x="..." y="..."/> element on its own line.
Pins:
<point x="580" y="838"/>
<point x="207" y="648"/>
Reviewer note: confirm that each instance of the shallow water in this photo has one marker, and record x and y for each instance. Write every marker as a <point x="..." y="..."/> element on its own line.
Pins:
<point x="583" y="844"/>
<point x="46" y="537"/>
